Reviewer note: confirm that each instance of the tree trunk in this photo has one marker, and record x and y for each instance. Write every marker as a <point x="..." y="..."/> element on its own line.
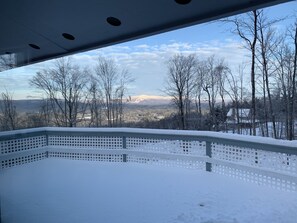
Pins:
<point x="253" y="48"/>
<point x="292" y="101"/>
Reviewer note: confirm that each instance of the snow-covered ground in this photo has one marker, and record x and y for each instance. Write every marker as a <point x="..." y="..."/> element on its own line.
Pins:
<point x="261" y="130"/>
<point x="57" y="190"/>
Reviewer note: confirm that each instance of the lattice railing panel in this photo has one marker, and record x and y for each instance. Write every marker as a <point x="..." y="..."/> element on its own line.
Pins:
<point x="256" y="177"/>
<point x="22" y="144"/>
<point x="167" y="146"/>
<point x="87" y="156"/>
<point x="279" y="162"/>
<point x="156" y="160"/>
<point x="86" y="142"/>
<point x="234" y="153"/>
<point x="22" y="159"/>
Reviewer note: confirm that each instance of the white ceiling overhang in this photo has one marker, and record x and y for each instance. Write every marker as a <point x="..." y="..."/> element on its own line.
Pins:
<point x="35" y="30"/>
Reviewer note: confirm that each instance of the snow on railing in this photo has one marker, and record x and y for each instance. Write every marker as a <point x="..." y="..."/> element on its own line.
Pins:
<point x="255" y="159"/>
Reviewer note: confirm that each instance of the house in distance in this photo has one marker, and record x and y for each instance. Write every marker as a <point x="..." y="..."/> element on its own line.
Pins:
<point x="241" y="118"/>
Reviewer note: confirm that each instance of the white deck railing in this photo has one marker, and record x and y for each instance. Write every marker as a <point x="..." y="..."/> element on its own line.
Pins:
<point x="255" y="159"/>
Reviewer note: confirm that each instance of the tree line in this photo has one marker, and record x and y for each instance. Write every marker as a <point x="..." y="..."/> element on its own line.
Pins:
<point x="271" y="94"/>
<point x="74" y="95"/>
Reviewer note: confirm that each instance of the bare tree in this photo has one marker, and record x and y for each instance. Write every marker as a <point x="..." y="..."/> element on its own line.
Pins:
<point x="120" y="93"/>
<point x="222" y="71"/>
<point x="40" y="118"/>
<point x="7" y="61"/>
<point x="46" y="112"/>
<point x="291" y="98"/>
<point x="285" y="56"/>
<point x="246" y="27"/>
<point x="235" y="90"/>
<point x="180" y="84"/>
<point x="113" y="83"/>
<point x="284" y="71"/>
<point x="96" y="105"/>
<point x="8" y="115"/>
<point x="213" y="85"/>
<point x="65" y="86"/>
<point x="268" y="42"/>
<point x="200" y="73"/>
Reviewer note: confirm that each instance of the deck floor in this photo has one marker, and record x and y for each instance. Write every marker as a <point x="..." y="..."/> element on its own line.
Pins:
<point x="58" y="190"/>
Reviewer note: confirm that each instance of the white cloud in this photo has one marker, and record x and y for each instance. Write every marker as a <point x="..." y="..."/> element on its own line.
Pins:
<point x="146" y="63"/>
<point x="142" y="46"/>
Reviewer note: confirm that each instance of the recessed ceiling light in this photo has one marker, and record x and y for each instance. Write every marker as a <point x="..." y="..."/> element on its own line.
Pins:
<point x="113" y="21"/>
<point x="183" y="2"/>
<point x="68" y="36"/>
<point x="34" y="46"/>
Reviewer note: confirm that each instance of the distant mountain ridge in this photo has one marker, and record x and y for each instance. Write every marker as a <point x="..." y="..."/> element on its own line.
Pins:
<point x="27" y="105"/>
<point x="150" y="100"/>
<point x="33" y="105"/>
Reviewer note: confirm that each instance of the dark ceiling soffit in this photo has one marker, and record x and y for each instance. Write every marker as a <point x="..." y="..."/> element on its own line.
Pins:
<point x="253" y="4"/>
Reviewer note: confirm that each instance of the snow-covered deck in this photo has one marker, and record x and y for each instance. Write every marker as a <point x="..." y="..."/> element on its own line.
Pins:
<point x="58" y="190"/>
<point x="144" y="175"/>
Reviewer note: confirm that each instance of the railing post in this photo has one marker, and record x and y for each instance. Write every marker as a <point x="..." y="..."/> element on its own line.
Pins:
<point x="124" y="147"/>
<point x="46" y="143"/>
<point x="209" y="155"/>
<point x="46" y="138"/>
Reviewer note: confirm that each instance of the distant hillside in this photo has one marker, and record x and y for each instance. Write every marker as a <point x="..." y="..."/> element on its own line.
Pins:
<point x="155" y="100"/>
<point x="29" y="106"/>
<point x="33" y="105"/>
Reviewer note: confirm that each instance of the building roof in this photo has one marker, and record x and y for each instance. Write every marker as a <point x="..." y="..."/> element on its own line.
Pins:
<point x="243" y="112"/>
<point x="34" y="31"/>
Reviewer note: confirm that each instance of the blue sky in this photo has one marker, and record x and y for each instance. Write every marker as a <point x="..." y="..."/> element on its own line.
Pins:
<point x="145" y="58"/>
